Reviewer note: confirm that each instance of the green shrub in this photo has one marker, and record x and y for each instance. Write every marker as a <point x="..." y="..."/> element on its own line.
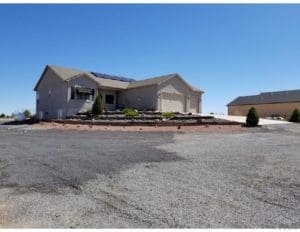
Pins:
<point x="129" y="112"/>
<point x="97" y="106"/>
<point x="295" y="116"/>
<point x="132" y="114"/>
<point x="126" y="110"/>
<point x="252" y="118"/>
<point x="168" y="114"/>
<point x="2" y="115"/>
<point x="27" y="113"/>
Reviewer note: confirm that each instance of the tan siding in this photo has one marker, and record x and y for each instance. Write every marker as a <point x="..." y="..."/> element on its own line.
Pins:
<point x="265" y="110"/>
<point x="173" y="102"/>
<point x="105" y="92"/>
<point x="194" y="103"/>
<point x="50" y="104"/>
<point x="76" y="105"/>
<point x="175" y="85"/>
<point x="139" y="98"/>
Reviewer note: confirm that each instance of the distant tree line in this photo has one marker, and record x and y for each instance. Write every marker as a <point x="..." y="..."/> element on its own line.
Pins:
<point x="5" y="116"/>
<point x="26" y="113"/>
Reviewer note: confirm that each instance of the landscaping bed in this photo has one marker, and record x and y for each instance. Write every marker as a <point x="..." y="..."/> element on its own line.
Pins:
<point x="137" y="122"/>
<point x="144" y="119"/>
<point x="138" y="118"/>
<point x="135" y="128"/>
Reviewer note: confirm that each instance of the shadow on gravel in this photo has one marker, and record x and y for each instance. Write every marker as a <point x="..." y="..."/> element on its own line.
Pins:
<point x="45" y="160"/>
<point x="11" y="122"/>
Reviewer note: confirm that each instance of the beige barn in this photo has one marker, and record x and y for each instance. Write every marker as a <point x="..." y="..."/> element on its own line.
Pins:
<point x="268" y="104"/>
<point x="63" y="92"/>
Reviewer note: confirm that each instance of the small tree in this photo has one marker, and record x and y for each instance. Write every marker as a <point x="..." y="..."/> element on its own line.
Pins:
<point x="97" y="106"/>
<point x="2" y="115"/>
<point x="295" y="116"/>
<point x="27" y="113"/>
<point x="252" y="118"/>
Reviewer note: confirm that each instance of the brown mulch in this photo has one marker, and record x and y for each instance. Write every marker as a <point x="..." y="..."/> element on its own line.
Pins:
<point x="192" y="128"/>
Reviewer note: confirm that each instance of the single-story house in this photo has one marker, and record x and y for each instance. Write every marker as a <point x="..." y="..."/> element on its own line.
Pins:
<point x="62" y="92"/>
<point x="268" y="104"/>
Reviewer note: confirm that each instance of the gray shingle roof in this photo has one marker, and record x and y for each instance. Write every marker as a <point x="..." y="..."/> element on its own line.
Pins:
<point x="65" y="73"/>
<point x="151" y="81"/>
<point x="68" y="73"/>
<point x="268" y="97"/>
<point x="159" y="80"/>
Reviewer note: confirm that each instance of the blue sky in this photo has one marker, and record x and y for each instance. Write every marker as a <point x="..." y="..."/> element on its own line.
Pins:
<point x="225" y="50"/>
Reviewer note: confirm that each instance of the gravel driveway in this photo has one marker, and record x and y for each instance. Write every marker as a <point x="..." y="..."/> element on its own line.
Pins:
<point x="68" y="179"/>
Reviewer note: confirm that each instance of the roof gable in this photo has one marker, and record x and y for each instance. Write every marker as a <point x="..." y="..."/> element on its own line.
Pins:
<point x="150" y="81"/>
<point x="65" y="73"/>
<point x="190" y="86"/>
<point x="159" y="80"/>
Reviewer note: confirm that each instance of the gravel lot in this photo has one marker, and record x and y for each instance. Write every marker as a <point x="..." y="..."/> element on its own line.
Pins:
<point x="70" y="179"/>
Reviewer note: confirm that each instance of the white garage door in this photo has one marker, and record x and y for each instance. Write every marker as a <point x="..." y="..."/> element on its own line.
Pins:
<point x="172" y="102"/>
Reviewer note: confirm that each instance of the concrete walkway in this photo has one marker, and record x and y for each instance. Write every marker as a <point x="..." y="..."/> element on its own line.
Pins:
<point x="242" y="119"/>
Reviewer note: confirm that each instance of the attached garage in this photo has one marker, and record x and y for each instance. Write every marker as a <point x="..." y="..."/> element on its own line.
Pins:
<point x="173" y="102"/>
<point x="169" y="93"/>
<point x="178" y="96"/>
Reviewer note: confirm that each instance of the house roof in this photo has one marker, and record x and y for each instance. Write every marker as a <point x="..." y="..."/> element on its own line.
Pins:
<point x="151" y="81"/>
<point x="65" y="73"/>
<point x="110" y="81"/>
<point x="159" y="80"/>
<point x="68" y="73"/>
<point x="268" y="98"/>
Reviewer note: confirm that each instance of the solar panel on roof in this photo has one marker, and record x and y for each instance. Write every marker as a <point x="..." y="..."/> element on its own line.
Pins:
<point x="110" y="77"/>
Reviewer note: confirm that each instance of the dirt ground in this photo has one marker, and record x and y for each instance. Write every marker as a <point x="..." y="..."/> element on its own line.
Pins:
<point x="196" y="128"/>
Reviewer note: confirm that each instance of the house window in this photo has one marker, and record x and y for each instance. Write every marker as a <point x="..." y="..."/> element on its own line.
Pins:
<point x="93" y="94"/>
<point x="83" y="96"/>
<point x="109" y="99"/>
<point x="81" y="93"/>
<point x="37" y="98"/>
<point x="72" y="93"/>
